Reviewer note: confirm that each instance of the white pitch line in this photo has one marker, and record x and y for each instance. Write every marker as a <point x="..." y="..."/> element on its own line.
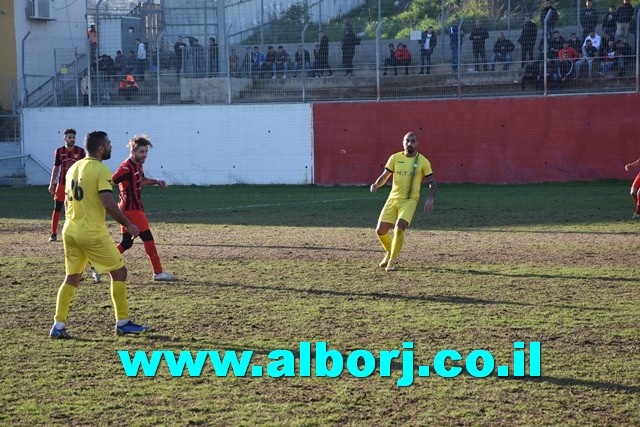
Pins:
<point x="263" y="205"/>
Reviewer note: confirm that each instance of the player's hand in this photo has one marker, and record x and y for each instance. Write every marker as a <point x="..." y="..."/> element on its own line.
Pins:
<point x="373" y="188"/>
<point x="133" y="230"/>
<point x="162" y="183"/>
<point x="52" y="189"/>
<point x="428" y="205"/>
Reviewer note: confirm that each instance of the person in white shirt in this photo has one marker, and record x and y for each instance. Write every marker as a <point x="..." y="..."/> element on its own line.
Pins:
<point x="141" y="61"/>
<point x="595" y="39"/>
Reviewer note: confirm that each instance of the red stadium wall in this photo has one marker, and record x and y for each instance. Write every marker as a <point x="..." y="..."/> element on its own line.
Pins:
<point x="497" y="141"/>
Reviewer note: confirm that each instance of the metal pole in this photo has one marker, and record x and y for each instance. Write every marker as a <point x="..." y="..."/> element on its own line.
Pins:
<point x="546" y="50"/>
<point x="223" y="52"/>
<point x="378" y="60"/>
<point x="228" y="64"/>
<point x="442" y="25"/>
<point x="55" y="78"/>
<point x="379" y="10"/>
<point x="24" y="75"/>
<point x="304" y="64"/>
<point x="261" y="24"/>
<point x="160" y="37"/>
<point x="97" y="55"/>
<point x="637" y="52"/>
<point x="459" y="56"/>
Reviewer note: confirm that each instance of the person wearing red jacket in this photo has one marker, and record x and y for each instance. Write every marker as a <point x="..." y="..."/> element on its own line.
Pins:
<point x="572" y="54"/>
<point x="403" y="57"/>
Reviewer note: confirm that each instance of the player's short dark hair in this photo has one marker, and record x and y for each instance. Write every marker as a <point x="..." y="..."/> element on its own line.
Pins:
<point x="70" y="130"/>
<point x="139" y="141"/>
<point x="93" y="140"/>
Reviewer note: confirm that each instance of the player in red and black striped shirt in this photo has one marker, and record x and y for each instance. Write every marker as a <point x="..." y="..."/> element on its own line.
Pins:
<point x="130" y="179"/>
<point x="64" y="157"/>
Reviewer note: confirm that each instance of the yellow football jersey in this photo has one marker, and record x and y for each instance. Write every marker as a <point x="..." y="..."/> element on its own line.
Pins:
<point x="407" y="175"/>
<point x="85" y="212"/>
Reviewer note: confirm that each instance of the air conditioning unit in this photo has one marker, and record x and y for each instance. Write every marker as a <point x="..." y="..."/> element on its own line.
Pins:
<point x="42" y="9"/>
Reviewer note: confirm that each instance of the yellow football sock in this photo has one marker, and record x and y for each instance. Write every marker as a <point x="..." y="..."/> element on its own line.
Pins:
<point x="65" y="293"/>
<point x="385" y="239"/>
<point x="396" y="244"/>
<point x="119" y="298"/>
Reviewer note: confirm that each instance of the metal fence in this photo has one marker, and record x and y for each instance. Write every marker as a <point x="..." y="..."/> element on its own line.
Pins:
<point x="215" y="64"/>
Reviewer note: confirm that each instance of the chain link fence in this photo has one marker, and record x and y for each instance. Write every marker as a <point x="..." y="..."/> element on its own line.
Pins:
<point x="190" y="57"/>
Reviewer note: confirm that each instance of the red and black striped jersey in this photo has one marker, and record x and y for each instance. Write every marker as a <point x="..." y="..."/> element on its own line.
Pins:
<point x="65" y="158"/>
<point x="129" y="179"/>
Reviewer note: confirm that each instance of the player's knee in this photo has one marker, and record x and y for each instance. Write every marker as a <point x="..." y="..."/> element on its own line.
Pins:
<point x="58" y="206"/>
<point x="402" y="224"/>
<point x="146" y="236"/>
<point x="127" y="241"/>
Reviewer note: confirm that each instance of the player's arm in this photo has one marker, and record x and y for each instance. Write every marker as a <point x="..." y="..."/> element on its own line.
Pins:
<point x="632" y="165"/>
<point x="52" y="182"/>
<point x="111" y="207"/>
<point x="433" y="189"/>
<point x="151" y="181"/>
<point x="382" y="179"/>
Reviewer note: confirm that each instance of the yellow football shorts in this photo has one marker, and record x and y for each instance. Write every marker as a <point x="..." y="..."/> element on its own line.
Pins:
<point x="395" y="209"/>
<point x="101" y="252"/>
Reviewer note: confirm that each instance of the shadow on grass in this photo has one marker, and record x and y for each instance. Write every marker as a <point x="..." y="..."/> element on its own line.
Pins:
<point x="532" y="275"/>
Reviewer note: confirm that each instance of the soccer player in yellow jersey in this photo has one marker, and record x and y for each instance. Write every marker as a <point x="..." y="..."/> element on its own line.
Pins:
<point x="408" y="167"/>
<point x="85" y="236"/>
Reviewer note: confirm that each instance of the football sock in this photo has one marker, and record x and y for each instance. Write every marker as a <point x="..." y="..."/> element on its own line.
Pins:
<point x="55" y="218"/>
<point x="152" y="253"/>
<point x="119" y="298"/>
<point x="120" y="248"/>
<point x="65" y="293"/>
<point x="386" y="240"/>
<point x="396" y="244"/>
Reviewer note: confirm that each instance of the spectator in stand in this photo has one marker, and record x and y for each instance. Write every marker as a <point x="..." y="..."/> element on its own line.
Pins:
<point x="213" y="57"/>
<point x="589" y="55"/>
<point x="553" y="18"/>
<point x="141" y="60"/>
<point x="565" y="71"/>
<point x="92" y="36"/>
<point x="604" y="43"/>
<point x="178" y="49"/>
<point x="270" y="61"/>
<point x="403" y="57"/>
<point x="478" y="37"/>
<point x="625" y="55"/>
<point x="623" y="16"/>
<point x="119" y="65"/>
<point x="257" y="63"/>
<point x="594" y="38"/>
<point x="234" y="64"/>
<point x="502" y="50"/>
<point x="246" y="63"/>
<point x="555" y="45"/>
<point x="455" y="34"/>
<point x="301" y="60"/>
<point x="128" y="87"/>
<point x="390" y="62"/>
<point x="323" y="51"/>
<point x="130" y="63"/>
<point x="105" y="66"/>
<point x="316" y="55"/>
<point x="349" y="42"/>
<point x="281" y="63"/>
<point x="528" y="40"/>
<point x="588" y="19"/>
<point x="571" y="53"/>
<point x="428" y="43"/>
<point x="609" y="23"/>
<point x="575" y="42"/>
<point x="609" y="58"/>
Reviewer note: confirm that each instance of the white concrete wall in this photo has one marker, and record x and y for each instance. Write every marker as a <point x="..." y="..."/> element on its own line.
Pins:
<point x="201" y="145"/>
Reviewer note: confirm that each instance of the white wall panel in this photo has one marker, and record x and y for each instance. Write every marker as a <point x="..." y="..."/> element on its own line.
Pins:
<point x="201" y="145"/>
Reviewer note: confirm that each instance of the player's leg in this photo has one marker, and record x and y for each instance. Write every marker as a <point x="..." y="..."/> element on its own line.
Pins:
<point x="105" y="257"/>
<point x="388" y="216"/>
<point x="58" y="200"/>
<point x="635" y="193"/>
<point x="140" y="220"/>
<point x="406" y="209"/>
<point x="75" y="261"/>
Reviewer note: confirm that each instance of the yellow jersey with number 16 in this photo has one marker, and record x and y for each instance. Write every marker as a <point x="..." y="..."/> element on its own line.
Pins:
<point x="85" y="212"/>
